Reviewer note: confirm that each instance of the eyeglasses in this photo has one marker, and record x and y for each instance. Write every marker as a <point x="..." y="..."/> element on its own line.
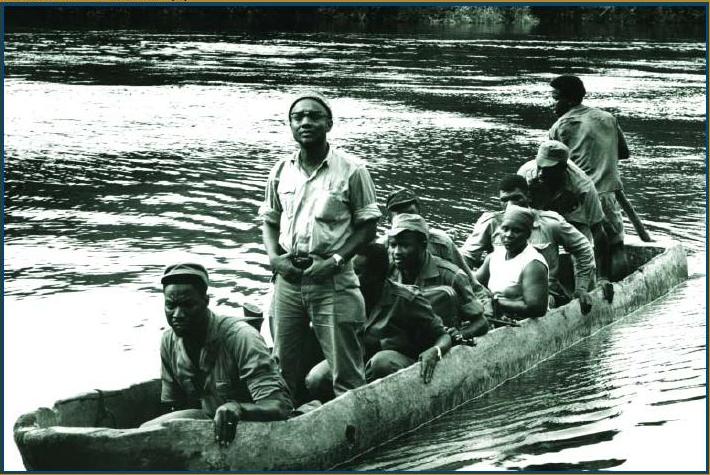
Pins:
<point x="313" y="115"/>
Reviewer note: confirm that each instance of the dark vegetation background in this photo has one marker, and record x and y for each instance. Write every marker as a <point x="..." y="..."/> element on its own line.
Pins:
<point x="287" y="18"/>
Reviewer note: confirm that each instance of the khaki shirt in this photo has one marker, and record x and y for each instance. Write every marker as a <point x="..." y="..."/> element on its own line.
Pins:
<point x="316" y="214"/>
<point x="441" y="245"/>
<point x="402" y="320"/>
<point x="234" y="365"/>
<point x="587" y="211"/>
<point x="593" y="137"/>
<point x="436" y="271"/>
<point x="550" y="231"/>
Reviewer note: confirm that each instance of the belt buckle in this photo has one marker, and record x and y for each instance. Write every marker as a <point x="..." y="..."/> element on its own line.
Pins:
<point x="302" y="262"/>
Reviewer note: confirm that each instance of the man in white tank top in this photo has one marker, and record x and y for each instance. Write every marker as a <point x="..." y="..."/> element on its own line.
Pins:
<point x="516" y="273"/>
<point x="550" y="231"/>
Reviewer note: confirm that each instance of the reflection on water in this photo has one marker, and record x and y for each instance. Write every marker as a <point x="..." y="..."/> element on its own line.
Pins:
<point x="607" y="402"/>
<point x="126" y="151"/>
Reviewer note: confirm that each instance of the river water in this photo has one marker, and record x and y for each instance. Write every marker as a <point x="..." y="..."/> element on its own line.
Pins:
<point x="126" y="151"/>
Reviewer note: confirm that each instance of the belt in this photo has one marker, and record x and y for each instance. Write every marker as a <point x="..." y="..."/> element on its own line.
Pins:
<point x="301" y="262"/>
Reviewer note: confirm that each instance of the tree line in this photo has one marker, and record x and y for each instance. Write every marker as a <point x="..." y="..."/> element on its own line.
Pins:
<point x="284" y="18"/>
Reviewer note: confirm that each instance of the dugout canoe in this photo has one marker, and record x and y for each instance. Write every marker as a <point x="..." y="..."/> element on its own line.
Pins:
<point x="98" y="430"/>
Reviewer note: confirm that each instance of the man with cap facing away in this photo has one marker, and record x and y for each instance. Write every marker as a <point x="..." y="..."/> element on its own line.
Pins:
<point x="596" y="145"/>
<point x="414" y="265"/>
<point x="214" y="366"/>
<point x="516" y="274"/>
<point x="557" y="184"/>
<point x="320" y="207"/>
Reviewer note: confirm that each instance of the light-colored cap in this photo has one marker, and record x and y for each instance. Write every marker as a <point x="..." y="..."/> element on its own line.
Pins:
<point x="523" y="217"/>
<point x="400" y="197"/>
<point x="175" y="272"/>
<point x="551" y="153"/>
<point x="316" y="96"/>
<point x="408" y="222"/>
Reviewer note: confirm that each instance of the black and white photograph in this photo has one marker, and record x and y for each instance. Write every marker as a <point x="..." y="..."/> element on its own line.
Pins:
<point x="355" y="237"/>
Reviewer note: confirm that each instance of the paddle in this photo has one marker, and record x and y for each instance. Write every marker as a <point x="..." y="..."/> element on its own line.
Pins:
<point x="631" y="213"/>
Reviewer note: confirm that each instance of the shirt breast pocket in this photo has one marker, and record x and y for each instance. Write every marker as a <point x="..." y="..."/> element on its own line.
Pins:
<point x="331" y="207"/>
<point x="287" y="193"/>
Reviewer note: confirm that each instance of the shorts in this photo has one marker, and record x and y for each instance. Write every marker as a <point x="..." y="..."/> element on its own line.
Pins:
<point x="613" y="221"/>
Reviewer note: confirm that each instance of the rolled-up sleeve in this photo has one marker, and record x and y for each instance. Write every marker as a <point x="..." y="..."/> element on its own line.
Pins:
<point x="257" y="369"/>
<point x="170" y="391"/>
<point x="592" y="206"/>
<point x="270" y="210"/>
<point x="421" y="311"/>
<point x="576" y="244"/>
<point x="480" y="240"/>
<point x="528" y="170"/>
<point x="363" y="199"/>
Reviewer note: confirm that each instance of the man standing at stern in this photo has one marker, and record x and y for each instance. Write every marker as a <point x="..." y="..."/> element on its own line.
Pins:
<point x="320" y="208"/>
<point x="596" y="145"/>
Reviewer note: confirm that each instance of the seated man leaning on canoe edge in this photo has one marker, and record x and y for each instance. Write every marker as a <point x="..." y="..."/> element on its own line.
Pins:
<point x="214" y="367"/>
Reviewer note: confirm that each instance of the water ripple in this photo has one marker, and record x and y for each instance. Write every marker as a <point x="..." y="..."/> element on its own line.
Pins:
<point x="127" y="151"/>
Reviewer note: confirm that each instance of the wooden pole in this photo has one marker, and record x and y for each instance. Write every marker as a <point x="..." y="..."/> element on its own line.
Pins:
<point x="631" y="213"/>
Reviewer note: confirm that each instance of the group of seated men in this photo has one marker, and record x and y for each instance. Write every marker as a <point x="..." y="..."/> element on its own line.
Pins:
<point x="374" y="305"/>
<point x="421" y="297"/>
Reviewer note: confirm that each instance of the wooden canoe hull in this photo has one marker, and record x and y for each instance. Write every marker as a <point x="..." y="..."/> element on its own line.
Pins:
<point x="64" y="438"/>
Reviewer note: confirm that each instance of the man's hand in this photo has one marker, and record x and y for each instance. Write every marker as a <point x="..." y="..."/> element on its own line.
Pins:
<point x="321" y="269"/>
<point x="428" y="360"/>
<point x="607" y="289"/>
<point x="456" y="336"/>
<point x="282" y="265"/>
<point x="488" y="309"/>
<point x="585" y="301"/>
<point x="226" y="419"/>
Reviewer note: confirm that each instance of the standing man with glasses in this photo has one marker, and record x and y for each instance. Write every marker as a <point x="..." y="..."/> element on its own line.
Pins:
<point x="320" y="208"/>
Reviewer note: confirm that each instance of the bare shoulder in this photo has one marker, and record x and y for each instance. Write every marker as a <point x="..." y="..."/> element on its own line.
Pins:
<point x="536" y="268"/>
